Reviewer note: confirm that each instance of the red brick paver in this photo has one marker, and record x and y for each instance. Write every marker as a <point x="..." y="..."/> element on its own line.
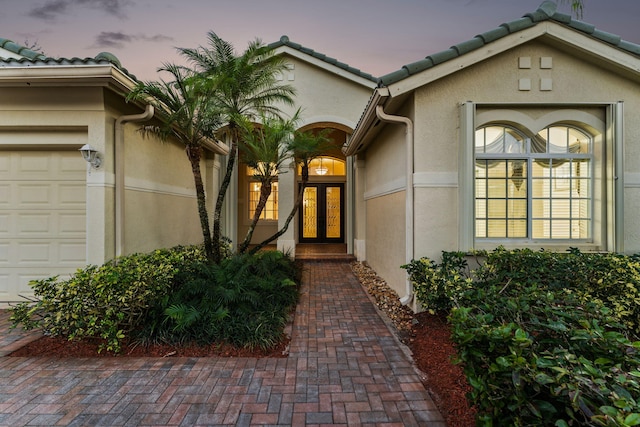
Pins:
<point x="345" y="368"/>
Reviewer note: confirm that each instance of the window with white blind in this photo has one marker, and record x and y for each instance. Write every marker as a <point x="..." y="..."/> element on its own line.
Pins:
<point x="533" y="186"/>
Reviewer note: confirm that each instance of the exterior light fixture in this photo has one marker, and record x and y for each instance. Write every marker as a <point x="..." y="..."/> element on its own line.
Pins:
<point x="321" y="169"/>
<point x="90" y="155"/>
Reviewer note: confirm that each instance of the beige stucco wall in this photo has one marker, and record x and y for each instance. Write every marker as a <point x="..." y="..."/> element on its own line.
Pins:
<point x="385" y="243"/>
<point x="160" y="204"/>
<point x="324" y="96"/>
<point x="160" y="200"/>
<point x="384" y="195"/>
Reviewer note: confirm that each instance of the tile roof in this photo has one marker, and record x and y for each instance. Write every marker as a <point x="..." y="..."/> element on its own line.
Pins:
<point x="31" y="58"/>
<point x="546" y="12"/>
<point x="284" y="41"/>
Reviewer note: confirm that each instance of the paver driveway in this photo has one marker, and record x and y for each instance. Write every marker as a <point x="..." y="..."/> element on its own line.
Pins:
<point x="345" y="368"/>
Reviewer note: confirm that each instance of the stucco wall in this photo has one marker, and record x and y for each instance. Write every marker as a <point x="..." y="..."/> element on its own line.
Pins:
<point x="384" y="196"/>
<point x="324" y="96"/>
<point x="160" y="201"/>
<point x="385" y="243"/>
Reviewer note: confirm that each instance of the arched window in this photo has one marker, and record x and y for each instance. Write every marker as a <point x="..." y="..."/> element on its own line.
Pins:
<point x="533" y="187"/>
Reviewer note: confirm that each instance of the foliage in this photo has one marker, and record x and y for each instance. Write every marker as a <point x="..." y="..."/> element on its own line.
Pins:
<point x="545" y="338"/>
<point x="302" y="148"/>
<point x="265" y="150"/>
<point x="191" y="116"/>
<point x="244" y="86"/>
<point x="244" y="301"/>
<point x="439" y="286"/>
<point x="611" y="279"/>
<point x="539" y="357"/>
<point x="108" y="302"/>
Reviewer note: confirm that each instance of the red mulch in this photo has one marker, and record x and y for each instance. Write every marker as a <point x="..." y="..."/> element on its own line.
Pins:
<point x="432" y="352"/>
<point x="61" y="347"/>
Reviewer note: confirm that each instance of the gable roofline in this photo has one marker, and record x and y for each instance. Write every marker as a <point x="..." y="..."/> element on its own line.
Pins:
<point x="30" y="58"/>
<point x="323" y="61"/>
<point x="394" y="87"/>
<point x="546" y="12"/>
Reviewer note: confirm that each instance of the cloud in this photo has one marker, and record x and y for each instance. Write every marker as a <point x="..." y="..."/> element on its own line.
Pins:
<point x="51" y="9"/>
<point x="119" y="39"/>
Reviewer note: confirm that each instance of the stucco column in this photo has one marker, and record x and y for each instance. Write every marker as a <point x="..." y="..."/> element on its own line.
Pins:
<point x="360" y="210"/>
<point x="287" y="191"/>
<point x="100" y="194"/>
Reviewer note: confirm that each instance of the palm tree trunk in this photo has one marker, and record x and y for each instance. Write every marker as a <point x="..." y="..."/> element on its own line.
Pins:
<point x="194" y="153"/>
<point x="226" y="181"/>
<point x="296" y="206"/>
<point x="265" y="192"/>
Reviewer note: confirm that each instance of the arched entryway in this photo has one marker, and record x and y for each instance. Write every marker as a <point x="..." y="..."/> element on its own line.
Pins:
<point x="321" y="218"/>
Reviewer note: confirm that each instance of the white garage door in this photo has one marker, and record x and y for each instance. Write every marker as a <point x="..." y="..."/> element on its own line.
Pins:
<point x="42" y="218"/>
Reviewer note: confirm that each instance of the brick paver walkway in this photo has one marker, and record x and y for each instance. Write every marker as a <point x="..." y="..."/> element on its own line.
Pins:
<point x="345" y="368"/>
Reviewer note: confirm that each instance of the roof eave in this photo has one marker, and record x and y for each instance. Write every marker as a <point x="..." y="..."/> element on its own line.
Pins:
<point x="67" y="75"/>
<point x="362" y="132"/>
<point x="344" y="73"/>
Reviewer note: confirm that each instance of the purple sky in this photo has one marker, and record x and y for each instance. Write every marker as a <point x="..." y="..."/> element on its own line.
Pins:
<point x="374" y="35"/>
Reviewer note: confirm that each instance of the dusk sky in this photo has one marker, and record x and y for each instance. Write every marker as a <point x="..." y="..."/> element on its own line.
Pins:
<point x="375" y="36"/>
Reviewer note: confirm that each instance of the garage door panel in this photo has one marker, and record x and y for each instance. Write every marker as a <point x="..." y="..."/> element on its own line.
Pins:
<point x="14" y="285"/>
<point x="34" y="224"/>
<point x="71" y="254"/>
<point x="34" y="195"/>
<point x="71" y="196"/>
<point x="42" y="218"/>
<point x="5" y="250"/>
<point x="72" y="225"/>
<point x="4" y="225"/>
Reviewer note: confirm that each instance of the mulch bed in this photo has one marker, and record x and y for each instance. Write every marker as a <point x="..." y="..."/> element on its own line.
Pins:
<point x="61" y="347"/>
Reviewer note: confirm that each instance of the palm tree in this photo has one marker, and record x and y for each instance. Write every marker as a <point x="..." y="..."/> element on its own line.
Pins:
<point x="189" y="116"/>
<point x="303" y="148"/>
<point x="265" y="150"/>
<point x="245" y="86"/>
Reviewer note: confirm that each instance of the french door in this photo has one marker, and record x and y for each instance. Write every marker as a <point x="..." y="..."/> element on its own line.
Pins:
<point x="322" y="214"/>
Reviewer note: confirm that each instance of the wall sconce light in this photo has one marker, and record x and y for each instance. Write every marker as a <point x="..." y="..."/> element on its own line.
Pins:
<point x="90" y="155"/>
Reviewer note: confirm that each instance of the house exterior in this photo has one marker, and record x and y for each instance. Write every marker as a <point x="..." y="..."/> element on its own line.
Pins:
<point x="57" y="213"/>
<point x="331" y="95"/>
<point x="524" y="136"/>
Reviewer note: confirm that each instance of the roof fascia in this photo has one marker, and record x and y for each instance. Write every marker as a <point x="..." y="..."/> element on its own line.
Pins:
<point x="565" y="35"/>
<point x="71" y="75"/>
<point x="325" y="66"/>
<point x="362" y="136"/>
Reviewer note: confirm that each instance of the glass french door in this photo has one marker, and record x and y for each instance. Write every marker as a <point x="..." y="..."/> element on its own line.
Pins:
<point x="322" y="214"/>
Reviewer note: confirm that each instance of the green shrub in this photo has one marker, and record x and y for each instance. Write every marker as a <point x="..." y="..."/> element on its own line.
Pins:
<point x="612" y="279"/>
<point x="438" y="287"/>
<point x="546" y="339"/>
<point x="539" y="357"/>
<point x="108" y="302"/>
<point x="244" y="301"/>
